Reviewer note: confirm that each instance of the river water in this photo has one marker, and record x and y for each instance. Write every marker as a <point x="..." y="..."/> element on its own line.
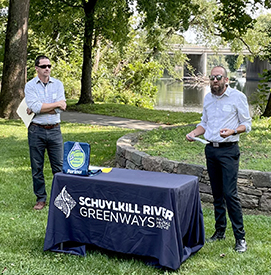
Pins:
<point x="178" y="96"/>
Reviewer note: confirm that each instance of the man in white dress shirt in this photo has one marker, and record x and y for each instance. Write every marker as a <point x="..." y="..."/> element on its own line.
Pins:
<point x="225" y="116"/>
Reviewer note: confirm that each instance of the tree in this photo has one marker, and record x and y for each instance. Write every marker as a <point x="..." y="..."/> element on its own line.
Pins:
<point x="3" y="28"/>
<point x="90" y="20"/>
<point x="14" y="69"/>
<point x="109" y="19"/>
<point x="232" y="60"/>
<point x="223" y="22"/>
<point x="264" y="87"/>
<point x="235" y="26"/>
<point x="60" y="23"/>
<point x="258" y="41"/>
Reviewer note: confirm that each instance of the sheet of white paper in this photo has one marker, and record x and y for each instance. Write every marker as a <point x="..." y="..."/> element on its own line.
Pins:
<point x="92" y="167"/>
<point x="200" y="140"/>
<point x="21" y="111"/>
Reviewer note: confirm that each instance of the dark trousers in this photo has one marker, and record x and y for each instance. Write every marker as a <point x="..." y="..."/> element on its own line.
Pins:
<point x="39" y="140"/>
<point x="222" y="166"/>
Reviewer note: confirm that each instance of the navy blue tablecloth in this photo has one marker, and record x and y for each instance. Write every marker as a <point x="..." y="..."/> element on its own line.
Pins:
<point x="130" y="211"/>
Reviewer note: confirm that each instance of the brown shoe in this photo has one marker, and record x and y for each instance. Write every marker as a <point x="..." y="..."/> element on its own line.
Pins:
<point x="40" y="205"/>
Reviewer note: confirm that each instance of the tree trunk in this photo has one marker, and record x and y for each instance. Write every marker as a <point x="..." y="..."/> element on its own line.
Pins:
<point x="14" y="68"/>
<point x="267" y="111"/>
<point x="86" y="93"/>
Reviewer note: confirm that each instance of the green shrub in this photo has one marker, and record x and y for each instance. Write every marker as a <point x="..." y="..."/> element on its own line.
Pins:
<point x="132" y="85"/>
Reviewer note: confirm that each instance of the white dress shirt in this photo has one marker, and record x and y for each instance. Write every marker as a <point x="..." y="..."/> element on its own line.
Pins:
<point x="226" y="111"/>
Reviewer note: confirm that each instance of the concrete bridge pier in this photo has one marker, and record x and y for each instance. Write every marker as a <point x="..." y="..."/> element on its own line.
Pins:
<point x="199" y="64"/>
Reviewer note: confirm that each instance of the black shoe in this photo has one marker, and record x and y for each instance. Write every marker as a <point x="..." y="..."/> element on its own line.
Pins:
<point x="218" y="236"/>
<point x="241" y="245"/>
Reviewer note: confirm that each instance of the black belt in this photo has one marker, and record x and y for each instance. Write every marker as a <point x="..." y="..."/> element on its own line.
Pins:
<point x="47" y="126"/>
<point x="222" y="144"/>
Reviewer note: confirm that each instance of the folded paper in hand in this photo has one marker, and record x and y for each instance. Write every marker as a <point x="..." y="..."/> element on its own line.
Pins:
<point x="200" y="140"/>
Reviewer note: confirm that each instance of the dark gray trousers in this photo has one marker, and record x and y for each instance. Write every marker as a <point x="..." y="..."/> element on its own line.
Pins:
<point x="222" y="166"/>
<point x="39" y="140"/>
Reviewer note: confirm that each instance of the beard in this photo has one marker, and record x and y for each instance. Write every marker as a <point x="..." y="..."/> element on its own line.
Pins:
<point x="218" y="88"/>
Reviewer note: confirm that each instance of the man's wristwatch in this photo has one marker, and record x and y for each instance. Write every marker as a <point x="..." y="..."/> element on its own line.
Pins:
<point x="235" y="132"/>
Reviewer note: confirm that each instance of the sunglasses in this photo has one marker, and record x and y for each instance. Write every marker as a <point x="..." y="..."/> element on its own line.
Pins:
<point x="217" y="77"/>
<point x="45" y="66"/>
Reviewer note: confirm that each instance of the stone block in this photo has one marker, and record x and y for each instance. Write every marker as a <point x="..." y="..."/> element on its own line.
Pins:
<point x="152" y="164"/>
<point x="261" y="179"/>
<point x="137" y="157"/>
<point x="246" y="182"/>
<point x="205" y="188"/>
<point x="169" y="165"/>
<point x="249" y="201"/>
<point x="265" y="202"/>
<point x="121" y="162"/>
<point x="184" y="168"/>
<point x="245" y="174"/>
<point x="250" y="191"/>
<point x="129" y="153"/>
<point x="121" y="150"/>
<point x="130" y="165"/>
<point x="206" y="197"/>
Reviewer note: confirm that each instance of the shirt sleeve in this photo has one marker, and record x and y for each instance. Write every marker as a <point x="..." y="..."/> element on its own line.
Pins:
<point x="60" y="92"/>
<point x="243" y="112"/>
<point x="60" y="95"/>
<point x="32" y="99"/>
<point x="204" y="118"/>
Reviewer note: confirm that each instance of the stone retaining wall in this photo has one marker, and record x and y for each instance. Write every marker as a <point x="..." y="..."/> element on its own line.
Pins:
<point x="254" y="186"/>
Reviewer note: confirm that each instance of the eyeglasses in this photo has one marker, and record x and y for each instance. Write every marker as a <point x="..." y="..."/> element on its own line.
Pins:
<point x="217" y="77"/>
<point x="45" y="66"/>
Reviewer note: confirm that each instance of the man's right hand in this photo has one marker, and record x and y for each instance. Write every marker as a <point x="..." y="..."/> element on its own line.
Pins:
<point x="191" y="134"/>
<point x="29" y="111"/>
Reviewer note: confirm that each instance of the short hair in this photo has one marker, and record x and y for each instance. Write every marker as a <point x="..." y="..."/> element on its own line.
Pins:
<point x="220" y="66"/>
<point x="37" y="61"/>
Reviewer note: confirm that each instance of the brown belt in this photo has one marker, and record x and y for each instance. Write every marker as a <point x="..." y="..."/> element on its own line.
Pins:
<point x="47" y="127"/>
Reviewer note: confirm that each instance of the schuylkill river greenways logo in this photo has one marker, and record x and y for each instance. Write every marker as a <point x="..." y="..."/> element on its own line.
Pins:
<point x="132" y="214"/>
<point x="76" y="157"/>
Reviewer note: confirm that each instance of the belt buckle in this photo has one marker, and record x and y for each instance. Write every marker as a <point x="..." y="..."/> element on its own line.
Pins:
<point x="215" y="144"/>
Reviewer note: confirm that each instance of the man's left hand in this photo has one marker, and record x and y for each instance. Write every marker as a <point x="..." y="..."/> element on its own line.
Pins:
<point x="225" y="132"/>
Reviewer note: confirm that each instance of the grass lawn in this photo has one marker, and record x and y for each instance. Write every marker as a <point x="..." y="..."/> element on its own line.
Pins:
<point x="23" y="229"/>
<point x="255" y="147"/>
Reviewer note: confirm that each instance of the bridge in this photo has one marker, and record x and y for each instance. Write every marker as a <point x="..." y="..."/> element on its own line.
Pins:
<point x="198" y="50"/>
<point x="198" y="60"/>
